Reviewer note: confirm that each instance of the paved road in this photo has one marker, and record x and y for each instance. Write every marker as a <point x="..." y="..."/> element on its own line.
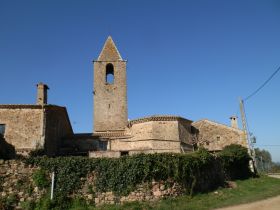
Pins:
<point x="268" y="204"/>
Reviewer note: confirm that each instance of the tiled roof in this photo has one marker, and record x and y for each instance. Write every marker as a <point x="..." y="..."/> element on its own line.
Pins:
<point x="109" y="134"/>
<point x="27" y="106"/>
<point x="158" y="118"/>
<point x="217" y="124"/>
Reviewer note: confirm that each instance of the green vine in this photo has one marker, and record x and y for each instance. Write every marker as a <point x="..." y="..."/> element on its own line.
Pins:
<point x="196" y="172"/>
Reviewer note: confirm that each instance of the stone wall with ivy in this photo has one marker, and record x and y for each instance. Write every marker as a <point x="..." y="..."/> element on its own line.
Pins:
<point x="143" y="177"/>
<point x="18" y="184"/>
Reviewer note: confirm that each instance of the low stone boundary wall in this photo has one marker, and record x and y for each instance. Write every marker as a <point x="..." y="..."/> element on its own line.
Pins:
<point x="16" y="182"/>
<point x="17" y="185"/>
<point x="144" y="192"/>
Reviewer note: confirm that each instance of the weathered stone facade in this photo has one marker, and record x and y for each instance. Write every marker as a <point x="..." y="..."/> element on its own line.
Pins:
<point x="31" y="127"/>
<point x="16" y="183"/>
<point x="110" y="100"/>
<point x="215" y="136"/>
<point x="155" y="134"/>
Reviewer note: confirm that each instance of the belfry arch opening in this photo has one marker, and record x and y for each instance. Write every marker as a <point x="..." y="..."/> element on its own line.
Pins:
<point x="109" y="73"/>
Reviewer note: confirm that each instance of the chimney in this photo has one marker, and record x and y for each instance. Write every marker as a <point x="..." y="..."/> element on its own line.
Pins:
<point x="42" y="94"/>
<point x="234" y="123"/>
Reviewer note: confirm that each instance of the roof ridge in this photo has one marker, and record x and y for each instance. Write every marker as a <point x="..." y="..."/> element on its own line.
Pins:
<point x="214" y="122"/>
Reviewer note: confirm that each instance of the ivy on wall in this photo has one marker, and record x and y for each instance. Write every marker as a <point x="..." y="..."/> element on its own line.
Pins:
<point x="196" y="172"/>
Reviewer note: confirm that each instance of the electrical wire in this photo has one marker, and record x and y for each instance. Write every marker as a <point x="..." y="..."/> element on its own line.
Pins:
<point x="256" y="91"/>
<point x="269" y="145"/>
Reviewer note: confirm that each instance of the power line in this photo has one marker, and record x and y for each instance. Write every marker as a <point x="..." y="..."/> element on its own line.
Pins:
<point x="267" y="145"/>
<point x="256" y="91"/>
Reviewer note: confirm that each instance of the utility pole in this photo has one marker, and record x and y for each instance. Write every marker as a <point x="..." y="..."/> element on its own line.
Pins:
<point x="246" y="135"/>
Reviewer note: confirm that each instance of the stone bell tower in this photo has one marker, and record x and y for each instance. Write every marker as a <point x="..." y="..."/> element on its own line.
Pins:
<point x="109" y="93"/>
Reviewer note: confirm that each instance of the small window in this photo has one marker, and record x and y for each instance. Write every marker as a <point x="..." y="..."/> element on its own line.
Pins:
<point x="2" y="129"/>
<point x="103" y="145"/>
<point x="124" y="153"/>
<point x="218" y="138"/>
<point x="109" y="73"/>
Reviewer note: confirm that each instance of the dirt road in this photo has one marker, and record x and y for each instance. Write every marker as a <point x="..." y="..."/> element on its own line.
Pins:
<point x="268" y="204"/>
<point x="275" y="176"/>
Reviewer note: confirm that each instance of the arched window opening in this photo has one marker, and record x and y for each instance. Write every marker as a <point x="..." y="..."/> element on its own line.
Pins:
<point x="109" y="73"/>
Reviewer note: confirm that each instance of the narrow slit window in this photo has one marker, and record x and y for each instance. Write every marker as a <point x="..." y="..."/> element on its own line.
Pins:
<point x="110" y="73"/>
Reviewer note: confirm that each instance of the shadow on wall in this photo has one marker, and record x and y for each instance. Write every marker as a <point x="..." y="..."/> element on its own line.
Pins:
<point x="7" y="151"/>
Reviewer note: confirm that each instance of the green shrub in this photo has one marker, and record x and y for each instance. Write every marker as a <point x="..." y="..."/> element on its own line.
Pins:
<point x="78" y="204"/>
<point x="37" y="153"/>
<point x="199" y="171"/>
<point x="40" y="179"/>
<point x="8" y="203"/>
<point x="235" y="161"/>
<point x="28" y="205"/>
<point x="195" y="172"/>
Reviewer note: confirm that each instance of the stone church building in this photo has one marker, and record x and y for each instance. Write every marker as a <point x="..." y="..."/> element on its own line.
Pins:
<point x="42" y="126"/>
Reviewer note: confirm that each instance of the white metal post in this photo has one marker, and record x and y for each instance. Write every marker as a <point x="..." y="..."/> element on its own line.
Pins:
<point x="52" y="187"/>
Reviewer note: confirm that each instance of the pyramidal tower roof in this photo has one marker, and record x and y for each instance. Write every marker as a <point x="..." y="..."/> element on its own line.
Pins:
<point x="109" y="51"/>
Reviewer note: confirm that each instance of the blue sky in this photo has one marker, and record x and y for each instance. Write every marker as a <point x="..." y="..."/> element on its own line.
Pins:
<point x="187" y="58"/>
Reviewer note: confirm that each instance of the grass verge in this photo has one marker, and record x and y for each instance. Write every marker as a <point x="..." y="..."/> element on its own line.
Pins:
<point x="249" y="190"/>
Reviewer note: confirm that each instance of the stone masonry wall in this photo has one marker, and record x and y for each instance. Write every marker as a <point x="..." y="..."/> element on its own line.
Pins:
<point x="31" y="127"/>
<point x="214" y="136"/>
<point x="152" y="136"/>
<point x="57" y="127"/>
<point x="23" y="126"/>
<point x="16" y="183"/>
<point x="110" y="100"/>
<point x="144" y="192"/>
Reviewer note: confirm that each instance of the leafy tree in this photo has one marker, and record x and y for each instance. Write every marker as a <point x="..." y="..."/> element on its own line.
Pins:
<point x="275" y="167"/>
<point x="263" y="160"/>
<point x="235" y="160"/>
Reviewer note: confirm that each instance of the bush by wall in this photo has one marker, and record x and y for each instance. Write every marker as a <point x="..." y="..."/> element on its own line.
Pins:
<point x="235" y="162"/>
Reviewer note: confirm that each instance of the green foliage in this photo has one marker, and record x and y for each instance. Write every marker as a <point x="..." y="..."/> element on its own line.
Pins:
<point x="37" y="153"/>
<point x="275" y="168"/>
<point x="250" y="190"/>
<point x="28" y="205"/>
<point x="40" y="179"/>
<point x="235" y="161"/>
<point x="68" y="171"/>
<point x="199" y="171"/>
<point x="8" y="203"/>
<point x="263" y="160"/>
<point x="45" y="203"/>
<point x="196" y="172"/>
<point x="79" y="204"/>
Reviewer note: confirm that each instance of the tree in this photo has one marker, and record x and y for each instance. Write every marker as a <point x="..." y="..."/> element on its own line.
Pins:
<point x="263" y="160"/>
